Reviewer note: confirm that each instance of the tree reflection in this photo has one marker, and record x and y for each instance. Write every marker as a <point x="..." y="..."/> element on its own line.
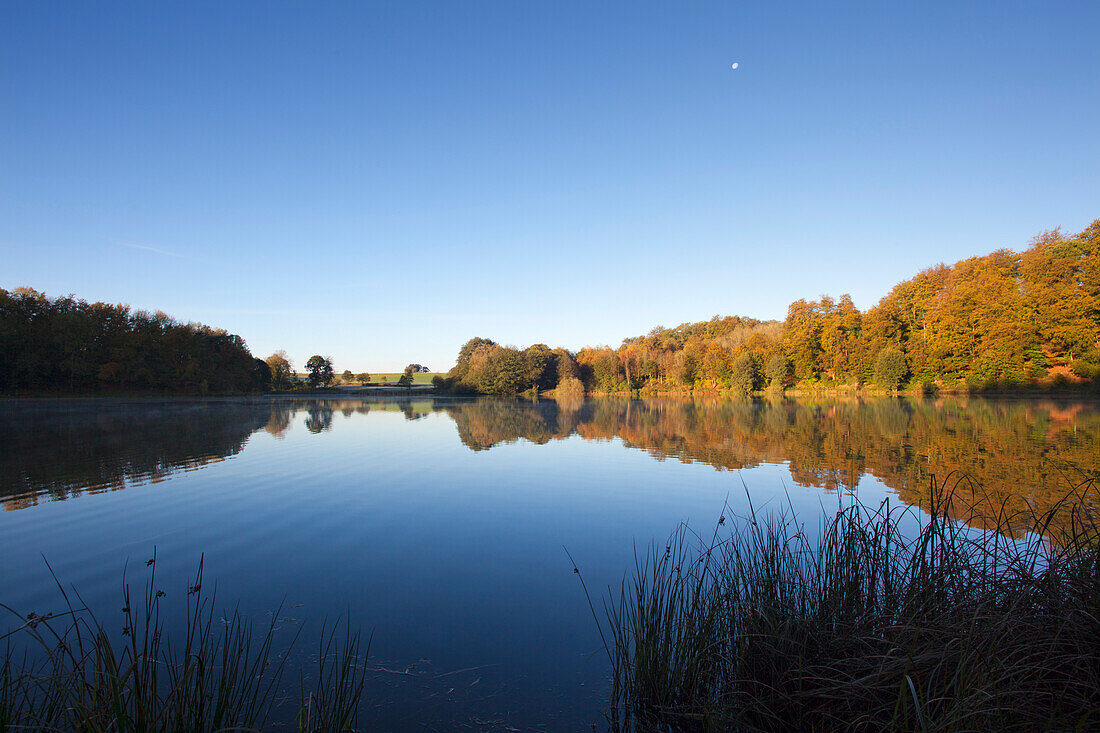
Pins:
<point x="56" y="450"/>
<point x="1022" y="456"/>
<point x="319" y="417"/>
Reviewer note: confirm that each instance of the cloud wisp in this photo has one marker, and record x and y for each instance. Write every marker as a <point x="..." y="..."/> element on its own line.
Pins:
<point x="147" y="248"/>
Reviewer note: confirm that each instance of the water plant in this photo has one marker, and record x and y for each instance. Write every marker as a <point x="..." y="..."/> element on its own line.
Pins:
<point x="888" y="618"/>
<point x="67" y="671"/>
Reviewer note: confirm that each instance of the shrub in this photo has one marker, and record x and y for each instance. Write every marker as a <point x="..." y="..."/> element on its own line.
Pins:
<point x="922" y="387"/>
<point x="1084" y="369"/>
<point x="569" y="389"/>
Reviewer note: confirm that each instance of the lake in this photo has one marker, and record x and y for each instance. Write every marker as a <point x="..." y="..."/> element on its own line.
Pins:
<point x="439" y="524"/>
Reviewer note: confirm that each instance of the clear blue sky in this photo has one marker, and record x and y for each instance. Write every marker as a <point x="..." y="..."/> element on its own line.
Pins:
<point x="381" y="182"/>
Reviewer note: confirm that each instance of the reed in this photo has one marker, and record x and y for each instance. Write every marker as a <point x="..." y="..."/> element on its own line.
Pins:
<point x="886" y="619"/>
<point x="66" y="671"/>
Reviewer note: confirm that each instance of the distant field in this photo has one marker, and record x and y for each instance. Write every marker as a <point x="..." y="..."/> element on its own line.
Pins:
<point x="392" y="377"/>
<point x="419" y="378"/>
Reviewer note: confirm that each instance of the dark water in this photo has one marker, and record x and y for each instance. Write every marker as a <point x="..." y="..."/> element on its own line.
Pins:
<point x="440" y="524"/>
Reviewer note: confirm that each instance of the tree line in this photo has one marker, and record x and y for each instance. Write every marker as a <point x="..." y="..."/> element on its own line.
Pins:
<point x="68" y="344"/>
<point x="483" y="366"/>
<point x="1001" y="320"/>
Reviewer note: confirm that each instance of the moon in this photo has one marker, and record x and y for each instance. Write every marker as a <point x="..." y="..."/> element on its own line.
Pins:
<point x="735" y="65"/>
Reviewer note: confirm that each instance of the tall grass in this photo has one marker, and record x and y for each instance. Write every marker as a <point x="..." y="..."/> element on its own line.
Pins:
<point x="886" y="619"/>
<point x="66" y="671"/>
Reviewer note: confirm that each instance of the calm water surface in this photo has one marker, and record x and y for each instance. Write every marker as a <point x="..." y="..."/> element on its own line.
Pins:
<point x="440" y="524"/>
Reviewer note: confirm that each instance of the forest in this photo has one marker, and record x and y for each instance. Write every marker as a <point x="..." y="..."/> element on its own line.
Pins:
<point x="1001" y="321"/>
<point x="69" y="345"/>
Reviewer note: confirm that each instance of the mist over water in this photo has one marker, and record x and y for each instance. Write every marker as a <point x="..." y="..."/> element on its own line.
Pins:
<point x="439" y="523"/>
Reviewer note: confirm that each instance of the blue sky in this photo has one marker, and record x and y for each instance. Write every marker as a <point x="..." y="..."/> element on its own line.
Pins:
<point x="382" y="181"/>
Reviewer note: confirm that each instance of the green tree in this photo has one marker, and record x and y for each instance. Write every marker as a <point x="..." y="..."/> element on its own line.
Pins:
<point x="347" y="376"/>
<point x="777" y="370"/>
<point x="538" y="361"/>
<point x="744" y="374"/>
<point x="363" y="377"/>
<point x="261" y="376"/>
<point x="504" y="372"/>
<point x="802" y="336"/>
<point x="890" y="368"/>
<point x="565" y="365"/>
<point x="320" y="371"/>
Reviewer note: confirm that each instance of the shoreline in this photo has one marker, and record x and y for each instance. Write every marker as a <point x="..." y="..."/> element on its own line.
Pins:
<point x="1087" y="392"/>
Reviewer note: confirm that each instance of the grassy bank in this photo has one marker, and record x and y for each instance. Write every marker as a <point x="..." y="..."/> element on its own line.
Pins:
<point x="762" y="628"/>
<point x="68" y="671"/>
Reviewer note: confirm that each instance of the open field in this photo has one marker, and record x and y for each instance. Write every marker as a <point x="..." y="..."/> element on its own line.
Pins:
<point x="392" y="377"/>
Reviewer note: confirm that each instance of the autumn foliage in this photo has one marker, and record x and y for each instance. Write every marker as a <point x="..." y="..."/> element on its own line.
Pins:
<point x="1006" y="319"/>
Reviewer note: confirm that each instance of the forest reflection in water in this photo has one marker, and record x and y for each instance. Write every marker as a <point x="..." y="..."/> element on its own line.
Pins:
<point x="1020" y="454"/>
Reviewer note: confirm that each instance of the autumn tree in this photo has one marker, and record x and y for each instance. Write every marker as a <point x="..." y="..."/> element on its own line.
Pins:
<point x="685" y="368"/>
<point x="282" y="371"/>
<point x="841" y="329"/>
<point x="1061" y="283"/>
<point x="460" y="371"/>
<point x="717" y="366"/>
<point x="601" y="368"/>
